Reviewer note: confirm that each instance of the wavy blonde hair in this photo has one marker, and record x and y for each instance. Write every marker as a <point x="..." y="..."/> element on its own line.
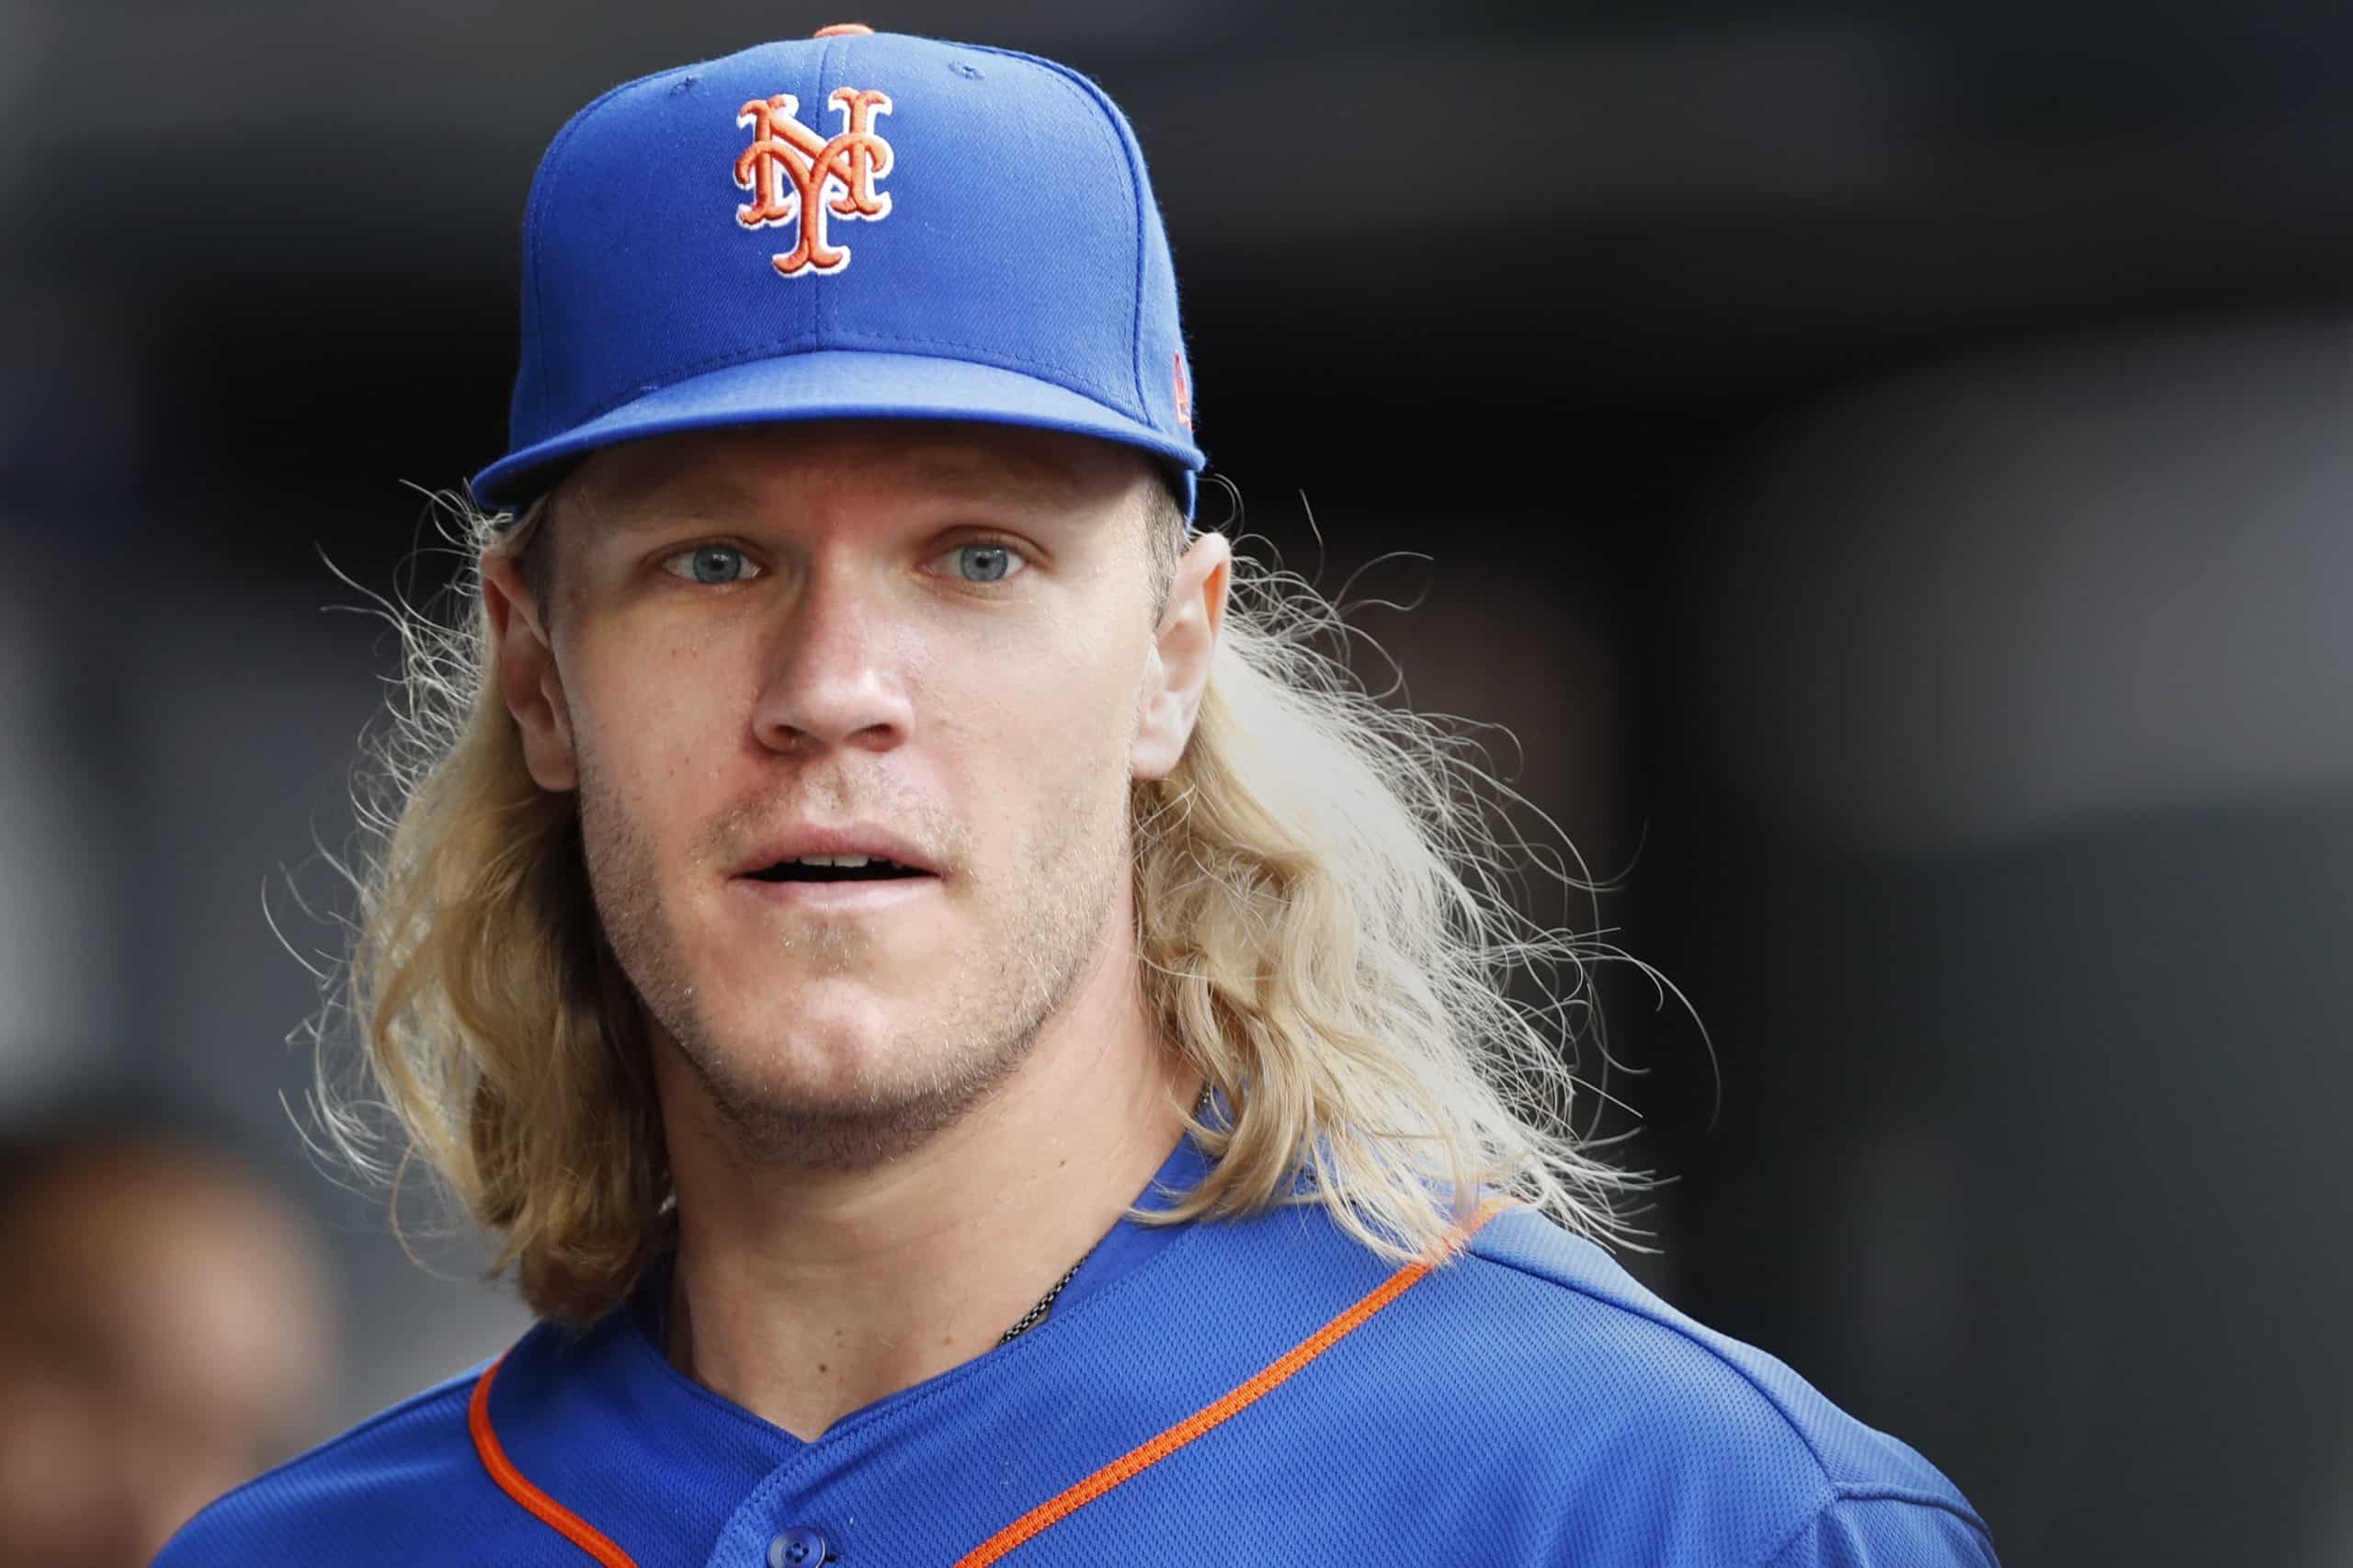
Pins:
<point x="1324" y="915"/>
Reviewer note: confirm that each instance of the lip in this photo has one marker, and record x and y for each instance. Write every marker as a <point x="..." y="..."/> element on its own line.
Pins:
<point x="849" y="898"/>
<point x="848" y="838"/>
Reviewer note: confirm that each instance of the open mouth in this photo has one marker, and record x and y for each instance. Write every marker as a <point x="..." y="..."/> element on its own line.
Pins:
<point x="836" y="869"/>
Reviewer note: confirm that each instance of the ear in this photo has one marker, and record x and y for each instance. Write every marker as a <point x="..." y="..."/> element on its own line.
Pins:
<point x="528" y="677"/>
<point x="1176" y="672"/>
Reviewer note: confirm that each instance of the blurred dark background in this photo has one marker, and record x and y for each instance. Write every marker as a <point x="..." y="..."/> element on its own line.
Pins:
<point x="1886" y="467"/>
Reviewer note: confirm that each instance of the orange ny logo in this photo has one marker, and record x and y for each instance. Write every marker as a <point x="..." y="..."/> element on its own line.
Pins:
<point x="791" y="172"/>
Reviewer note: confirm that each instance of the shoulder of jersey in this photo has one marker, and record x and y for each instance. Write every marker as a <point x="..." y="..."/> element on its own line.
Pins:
<point x="1612" y="1426"/>
<point x="357" y="1498"/>
<point x="1570" y="1369"/>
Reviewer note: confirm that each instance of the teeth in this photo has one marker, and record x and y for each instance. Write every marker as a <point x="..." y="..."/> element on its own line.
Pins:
<point x="851" y="861"/>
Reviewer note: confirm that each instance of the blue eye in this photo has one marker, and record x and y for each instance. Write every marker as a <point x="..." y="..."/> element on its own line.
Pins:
<point x="986" y="563"/>
<point x="713" y="564"/>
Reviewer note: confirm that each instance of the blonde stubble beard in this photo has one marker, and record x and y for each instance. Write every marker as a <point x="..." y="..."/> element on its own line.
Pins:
<point x="1034" y="946"/>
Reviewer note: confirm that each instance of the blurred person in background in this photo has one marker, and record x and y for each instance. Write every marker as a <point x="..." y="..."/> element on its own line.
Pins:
<point x="164" y="1335"/>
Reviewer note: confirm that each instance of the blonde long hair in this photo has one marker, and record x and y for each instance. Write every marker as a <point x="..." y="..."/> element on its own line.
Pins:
<point x="1324" y="915"/>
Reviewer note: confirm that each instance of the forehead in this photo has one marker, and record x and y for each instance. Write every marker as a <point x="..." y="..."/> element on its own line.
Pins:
<point x="884" y="462"/>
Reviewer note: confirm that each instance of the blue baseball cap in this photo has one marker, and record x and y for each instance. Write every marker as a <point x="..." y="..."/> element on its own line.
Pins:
<point x="855" y="225"/>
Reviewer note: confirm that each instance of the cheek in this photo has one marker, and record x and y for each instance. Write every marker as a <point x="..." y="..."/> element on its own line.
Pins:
<point x="1036" y="703"/>
<point x="654" y="726"/>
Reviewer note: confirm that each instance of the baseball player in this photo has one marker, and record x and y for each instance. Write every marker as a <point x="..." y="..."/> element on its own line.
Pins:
<point x="978" y="1045"/>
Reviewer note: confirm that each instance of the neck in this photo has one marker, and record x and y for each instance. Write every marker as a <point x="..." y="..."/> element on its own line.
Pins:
<point x="804" y="1294"/>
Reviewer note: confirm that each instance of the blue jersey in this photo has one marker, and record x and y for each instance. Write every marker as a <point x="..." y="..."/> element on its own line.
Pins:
<point x="1260" y="1392"/>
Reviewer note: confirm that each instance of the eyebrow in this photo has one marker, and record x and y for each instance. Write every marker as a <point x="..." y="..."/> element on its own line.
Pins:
<point x="1018" y="480"/>
<point x="632" y="506"/>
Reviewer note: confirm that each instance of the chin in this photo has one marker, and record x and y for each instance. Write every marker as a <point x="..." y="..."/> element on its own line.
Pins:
<point x="825" y="1040"/>
<point x="843" y="1080"/>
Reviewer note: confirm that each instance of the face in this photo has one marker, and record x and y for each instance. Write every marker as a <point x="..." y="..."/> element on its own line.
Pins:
<point x="164" y="1338"/>
<point x="931" y="644"/>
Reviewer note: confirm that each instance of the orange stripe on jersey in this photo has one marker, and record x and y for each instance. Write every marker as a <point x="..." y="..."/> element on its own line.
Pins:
<point x="1137" y="1460"/>
<point x="511" y="1482"/>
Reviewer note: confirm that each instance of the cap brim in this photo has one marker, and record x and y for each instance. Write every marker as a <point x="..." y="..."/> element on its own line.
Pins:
<point x="833" y="383"/>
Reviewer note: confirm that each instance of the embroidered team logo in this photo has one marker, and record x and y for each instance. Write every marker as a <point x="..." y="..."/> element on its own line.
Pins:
<point x="795" y="175"/>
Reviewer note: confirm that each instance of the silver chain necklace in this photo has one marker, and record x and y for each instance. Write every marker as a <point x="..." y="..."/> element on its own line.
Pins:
<point x="1036" y="1315"/>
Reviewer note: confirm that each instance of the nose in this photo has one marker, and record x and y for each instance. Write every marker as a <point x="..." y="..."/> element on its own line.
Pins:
<point x="834" y="671"/>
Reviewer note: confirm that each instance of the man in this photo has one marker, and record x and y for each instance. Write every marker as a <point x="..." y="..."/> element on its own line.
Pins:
<point x="165" y="1334"/>
<point x="978" y="1043"/>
